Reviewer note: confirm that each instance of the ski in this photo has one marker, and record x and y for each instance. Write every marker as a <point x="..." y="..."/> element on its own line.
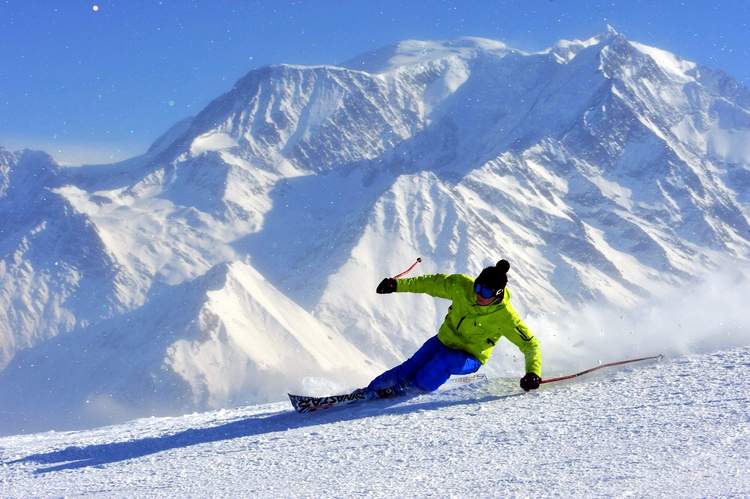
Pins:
<point x="305" y="404"/>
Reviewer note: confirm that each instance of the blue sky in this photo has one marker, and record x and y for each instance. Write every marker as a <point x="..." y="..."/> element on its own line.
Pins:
<point x="99" y="80"/>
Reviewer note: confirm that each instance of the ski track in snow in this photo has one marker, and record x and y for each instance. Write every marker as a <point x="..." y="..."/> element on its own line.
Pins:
<point x="678" y="428"/>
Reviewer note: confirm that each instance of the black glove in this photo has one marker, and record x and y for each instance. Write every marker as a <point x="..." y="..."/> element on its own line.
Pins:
<point x="530" y="382"/>
<point x="387" y="285"/>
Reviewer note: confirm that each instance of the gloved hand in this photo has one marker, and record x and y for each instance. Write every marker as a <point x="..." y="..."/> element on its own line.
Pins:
<point x="530" y="382"/>
<point x="387" y="285"/>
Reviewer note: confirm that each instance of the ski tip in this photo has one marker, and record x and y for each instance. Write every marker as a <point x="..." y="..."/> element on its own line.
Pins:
<point x="295" y="401"/>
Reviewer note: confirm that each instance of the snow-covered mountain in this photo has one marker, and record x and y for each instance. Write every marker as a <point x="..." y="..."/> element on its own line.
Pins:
<point x="55" y="271"/>
<point x="602" y="169"/>
<point x="202" y="343"/>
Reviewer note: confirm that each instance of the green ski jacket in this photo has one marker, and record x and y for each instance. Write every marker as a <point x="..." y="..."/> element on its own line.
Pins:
<point x="474" y="328"/>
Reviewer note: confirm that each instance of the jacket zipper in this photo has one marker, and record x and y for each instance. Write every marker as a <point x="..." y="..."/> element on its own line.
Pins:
<point x="459" y="323"/>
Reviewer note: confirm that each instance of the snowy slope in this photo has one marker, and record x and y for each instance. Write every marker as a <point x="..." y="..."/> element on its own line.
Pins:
<point x="679" y="428"/>
<point x="605" y="170"/>
<point x="56" y="273"/>
<point x="223" y="339"/>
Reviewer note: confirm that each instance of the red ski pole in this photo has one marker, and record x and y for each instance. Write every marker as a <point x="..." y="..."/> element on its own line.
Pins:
<point x="419" y="260"/>
<point x="619" y="363"/>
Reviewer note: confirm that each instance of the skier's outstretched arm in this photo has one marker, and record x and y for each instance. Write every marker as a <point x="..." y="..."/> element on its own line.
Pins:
<point x="438" y="285"/>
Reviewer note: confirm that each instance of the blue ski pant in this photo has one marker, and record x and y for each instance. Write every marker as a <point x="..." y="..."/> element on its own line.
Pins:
<point x="428" y="368"/>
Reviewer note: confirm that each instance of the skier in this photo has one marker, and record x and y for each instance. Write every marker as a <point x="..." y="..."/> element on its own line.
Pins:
<point x="481" y="313"/>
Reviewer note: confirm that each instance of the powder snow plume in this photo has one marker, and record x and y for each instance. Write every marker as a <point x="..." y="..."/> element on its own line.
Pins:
<point x="705" y="317"/>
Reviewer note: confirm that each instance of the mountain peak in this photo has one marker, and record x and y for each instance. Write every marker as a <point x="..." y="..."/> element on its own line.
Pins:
<point x="409" y="52"/>
<point x="610" y="31"/>
<point x="568" y="49"/>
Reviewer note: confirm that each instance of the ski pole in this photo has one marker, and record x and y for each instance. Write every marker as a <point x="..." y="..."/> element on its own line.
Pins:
<point x="419" y="260"/>
<point x="619" y="363"/>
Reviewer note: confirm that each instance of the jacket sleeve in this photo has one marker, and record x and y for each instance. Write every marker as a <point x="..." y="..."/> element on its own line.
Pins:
<point x="522" y="337"/>
<point x="437" y="285"/>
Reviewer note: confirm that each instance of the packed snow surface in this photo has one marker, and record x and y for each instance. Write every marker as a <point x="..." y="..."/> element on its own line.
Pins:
<point x="677" y="428"/>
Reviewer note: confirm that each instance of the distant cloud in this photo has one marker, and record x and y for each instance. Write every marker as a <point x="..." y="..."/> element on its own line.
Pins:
<point x="75" y="153"/>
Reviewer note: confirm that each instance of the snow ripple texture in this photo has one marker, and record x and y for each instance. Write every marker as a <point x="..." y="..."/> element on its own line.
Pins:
<point x="678" y="428"/>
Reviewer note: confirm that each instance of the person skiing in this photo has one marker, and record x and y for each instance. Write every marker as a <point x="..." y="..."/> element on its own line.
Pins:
<point x="479" y="315"/>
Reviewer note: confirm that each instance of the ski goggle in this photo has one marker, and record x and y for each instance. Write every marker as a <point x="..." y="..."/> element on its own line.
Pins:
<point x="484" y="291"/>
